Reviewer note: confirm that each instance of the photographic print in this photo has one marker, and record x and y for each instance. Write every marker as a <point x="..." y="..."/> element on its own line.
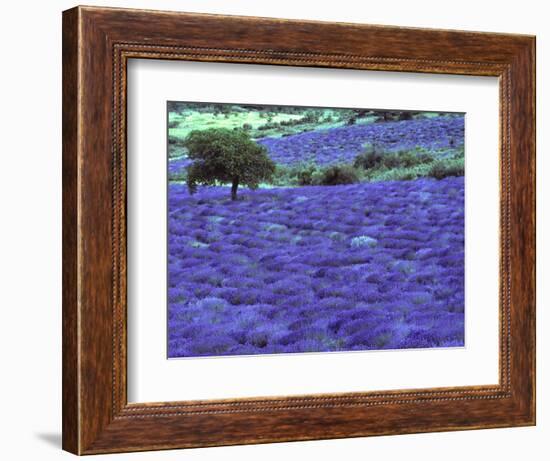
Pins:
<point x="307" y="229"/>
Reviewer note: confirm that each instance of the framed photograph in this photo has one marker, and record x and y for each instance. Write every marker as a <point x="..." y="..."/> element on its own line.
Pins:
<point x="281" y="230"/>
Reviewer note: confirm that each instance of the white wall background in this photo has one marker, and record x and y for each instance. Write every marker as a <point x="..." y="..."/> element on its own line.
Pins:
<point x="30" y="228"/>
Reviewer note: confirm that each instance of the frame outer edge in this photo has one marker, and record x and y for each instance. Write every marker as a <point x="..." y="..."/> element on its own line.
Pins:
<point x="533" y="183"/>
<point x="90" y="423"/>
<point x="533" y="51"/>
<point x="70" y="178"/>
<point x="523" y="233"/>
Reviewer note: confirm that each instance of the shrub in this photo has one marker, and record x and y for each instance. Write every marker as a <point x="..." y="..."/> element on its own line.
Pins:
<point x="175" y="141"/>
<point x="406" y="159"/>
<point x="305" y="174"/>
<point x="369" y="158"/>
<point x="444" y="168"/>
<point x="399" y="174"/>
<point x="339" y="174"/>
<point x="310" y="117"/>
<point x="363" y="241"/>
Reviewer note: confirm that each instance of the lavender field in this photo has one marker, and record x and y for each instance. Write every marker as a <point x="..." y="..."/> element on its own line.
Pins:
<point x="342" y="144"/>
<point x="319" y="264"/>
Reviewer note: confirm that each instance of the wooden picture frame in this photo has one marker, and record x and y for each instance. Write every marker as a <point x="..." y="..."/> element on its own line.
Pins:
<point x="97" y="43"/>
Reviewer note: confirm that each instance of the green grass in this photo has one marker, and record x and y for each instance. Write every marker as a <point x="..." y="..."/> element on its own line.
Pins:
<point x="183" y="124"/>
<point x="260" y="123"/>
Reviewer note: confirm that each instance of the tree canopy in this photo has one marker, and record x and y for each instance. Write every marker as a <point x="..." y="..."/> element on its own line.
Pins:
<point x="226" y="156"/>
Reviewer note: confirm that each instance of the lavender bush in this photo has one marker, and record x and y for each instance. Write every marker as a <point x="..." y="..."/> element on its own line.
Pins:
<point x="354" y="267"/>
<point x="337" y="145"/>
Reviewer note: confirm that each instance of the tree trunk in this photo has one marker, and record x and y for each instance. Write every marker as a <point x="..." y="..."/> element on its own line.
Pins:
<point x="234" y="187"/>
